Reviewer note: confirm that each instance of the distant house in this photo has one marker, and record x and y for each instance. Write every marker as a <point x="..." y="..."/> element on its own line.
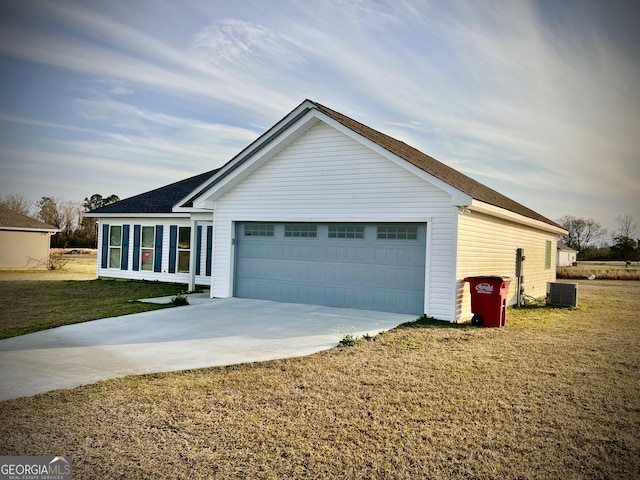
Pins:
<point x="566" y="255"/>
<point x="322" y="209"/>
<point x="24" y="241"/>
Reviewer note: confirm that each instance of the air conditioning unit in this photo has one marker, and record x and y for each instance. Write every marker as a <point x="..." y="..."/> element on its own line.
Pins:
<point x="562" y="294"/>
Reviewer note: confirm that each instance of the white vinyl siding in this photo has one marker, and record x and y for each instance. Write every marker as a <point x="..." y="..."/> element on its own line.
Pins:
<point x="487" y="246"/>
<point x="326" y="176"/>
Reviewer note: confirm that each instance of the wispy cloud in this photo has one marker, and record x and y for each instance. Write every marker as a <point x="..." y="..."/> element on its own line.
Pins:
<point x="529" y="97"/>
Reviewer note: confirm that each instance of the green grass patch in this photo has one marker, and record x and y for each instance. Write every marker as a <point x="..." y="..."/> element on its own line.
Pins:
<point x="29" y="306"/>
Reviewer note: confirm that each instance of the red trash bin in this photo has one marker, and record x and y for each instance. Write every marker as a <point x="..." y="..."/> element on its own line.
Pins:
<point x="489" y="300"/>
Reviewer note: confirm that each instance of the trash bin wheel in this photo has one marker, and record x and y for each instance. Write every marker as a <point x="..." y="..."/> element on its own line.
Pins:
<point x="476" y="320"/>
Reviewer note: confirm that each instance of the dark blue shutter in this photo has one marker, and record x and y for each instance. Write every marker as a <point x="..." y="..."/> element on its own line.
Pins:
<point x="124" y="260"/>
<point x="173" y="240"/>
<point x="198" y="248"/>
<point x="209" y="250"/>
<point x="136" y="247"/>
<point x="105" y="246"/>
<point x="157" y="255"/>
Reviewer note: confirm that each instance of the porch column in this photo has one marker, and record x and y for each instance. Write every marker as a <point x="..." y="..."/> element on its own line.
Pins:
<point x="193" y="255"/>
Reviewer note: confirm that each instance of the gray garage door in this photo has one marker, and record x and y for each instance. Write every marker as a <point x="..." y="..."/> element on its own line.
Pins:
<point x="368" y="266"/>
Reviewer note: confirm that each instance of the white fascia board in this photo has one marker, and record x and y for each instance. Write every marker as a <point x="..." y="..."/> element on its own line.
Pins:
<point x="203" y="193"/>
<point x="458" y="197"/>
<point x="138" y="215"/>
<point x="492" y="210"/>
<point x="332" y="218"/>
<point x="25" y="229"/>
<point x="190" y="210"/>
<point x="246" y="164"/>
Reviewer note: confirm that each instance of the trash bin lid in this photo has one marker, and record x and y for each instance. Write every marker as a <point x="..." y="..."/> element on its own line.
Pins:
<point x="487" y="277"/>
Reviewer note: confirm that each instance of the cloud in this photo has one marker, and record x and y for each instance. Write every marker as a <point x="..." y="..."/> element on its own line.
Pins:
<point x="526" y="96"/>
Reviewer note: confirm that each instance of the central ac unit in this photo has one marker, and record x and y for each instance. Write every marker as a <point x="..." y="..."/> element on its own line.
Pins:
<point x="562" y="294"/>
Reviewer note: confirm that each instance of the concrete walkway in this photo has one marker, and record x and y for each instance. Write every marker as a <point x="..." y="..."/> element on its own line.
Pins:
<point x="205" y="333"/>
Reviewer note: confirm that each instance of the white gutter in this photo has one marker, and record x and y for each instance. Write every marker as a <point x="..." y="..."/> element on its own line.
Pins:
<point x="488" y="209"/>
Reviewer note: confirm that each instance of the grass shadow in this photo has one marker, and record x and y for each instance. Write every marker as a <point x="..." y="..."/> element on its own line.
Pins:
<point x="429" y="322"/>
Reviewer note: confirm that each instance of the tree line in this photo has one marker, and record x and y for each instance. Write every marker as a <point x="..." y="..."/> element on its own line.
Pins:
<point x="593" y="242"/>
<point x="76" y="229"/>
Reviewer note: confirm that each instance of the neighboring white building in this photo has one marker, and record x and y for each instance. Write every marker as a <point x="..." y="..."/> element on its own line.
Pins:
<point x="322" y="209"/>
<point x="24" y="241"/>
<point x="566" y="256"/>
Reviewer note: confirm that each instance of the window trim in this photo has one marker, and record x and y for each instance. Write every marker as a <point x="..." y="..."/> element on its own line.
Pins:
<point x="347" y="231"/>
<point x="547" y="254"/>
<point x="301" y="230"/>
<point x="259" y="230"/>
<point x="113" y="248"/>
<point x="144" y="248"/>
<point x="180" y="249"/>
<point x="406" y="232"/>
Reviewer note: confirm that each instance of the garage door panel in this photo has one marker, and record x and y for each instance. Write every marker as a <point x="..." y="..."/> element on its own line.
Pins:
<point x="371" y="273"/>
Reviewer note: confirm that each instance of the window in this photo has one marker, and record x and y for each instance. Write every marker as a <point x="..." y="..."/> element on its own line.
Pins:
<point x="147" y="247"/>
<point x="346" y="231"/>
<point x="306" y="230"/>
<point x="258" y="230"/>
<point x="115" y="246"/>
<point x="184" y="249"/>
<point x="547" y="255"/>
<point x="398" y="232"/>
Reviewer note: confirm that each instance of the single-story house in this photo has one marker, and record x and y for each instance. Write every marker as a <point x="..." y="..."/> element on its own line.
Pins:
<point x="24" y="241"/>
<point x="322" y="209"/>
<point x="566" y="255"/>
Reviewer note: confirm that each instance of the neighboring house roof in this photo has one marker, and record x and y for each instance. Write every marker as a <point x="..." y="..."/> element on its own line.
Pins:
<point x="565" y="248"/>
<point x="160" y="200"/>
<point x="163" y="199"/>
<point x="12" y="220"/>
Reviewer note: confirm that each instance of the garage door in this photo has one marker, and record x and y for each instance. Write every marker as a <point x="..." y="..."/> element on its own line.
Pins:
<point x="368" y="266"/>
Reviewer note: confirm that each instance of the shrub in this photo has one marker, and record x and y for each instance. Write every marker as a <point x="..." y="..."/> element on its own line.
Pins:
<point x="180" y="299"/>
<point x="57" y="261"/>
<point x="349" y="340"/>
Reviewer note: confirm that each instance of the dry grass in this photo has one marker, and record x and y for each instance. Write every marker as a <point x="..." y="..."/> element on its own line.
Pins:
<point x="553" y="395"/>
<point x="76" y="267"/>
<point x="602" y="271"/>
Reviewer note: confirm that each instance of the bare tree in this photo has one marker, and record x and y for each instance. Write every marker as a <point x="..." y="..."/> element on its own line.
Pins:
<point x="63" y="214"/>
<point x="626" y="226"/>
<point x="17" y="203"/>
<point x="582" y="232"/>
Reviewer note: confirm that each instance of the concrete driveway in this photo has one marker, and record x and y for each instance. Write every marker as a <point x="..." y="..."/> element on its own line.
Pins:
<point x="205" y="333"/>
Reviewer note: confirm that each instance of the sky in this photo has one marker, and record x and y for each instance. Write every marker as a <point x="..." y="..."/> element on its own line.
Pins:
<point x="539" y="100"/>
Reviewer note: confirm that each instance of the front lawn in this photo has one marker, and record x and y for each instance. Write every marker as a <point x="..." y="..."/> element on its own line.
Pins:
<point x="32" y="305"/>
<point x="555" y="394"/>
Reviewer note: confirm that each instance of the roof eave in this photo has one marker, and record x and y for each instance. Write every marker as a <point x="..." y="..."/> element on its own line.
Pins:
<point x="499" y="212"/>
<point x="137" y="215"/>
<point x="27" y="229"/>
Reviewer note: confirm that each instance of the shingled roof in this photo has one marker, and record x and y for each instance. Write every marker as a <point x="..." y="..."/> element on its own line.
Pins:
<point x="12" y="220"/>
<point x="160" y="200"/>
<point x="465" y="184"/>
